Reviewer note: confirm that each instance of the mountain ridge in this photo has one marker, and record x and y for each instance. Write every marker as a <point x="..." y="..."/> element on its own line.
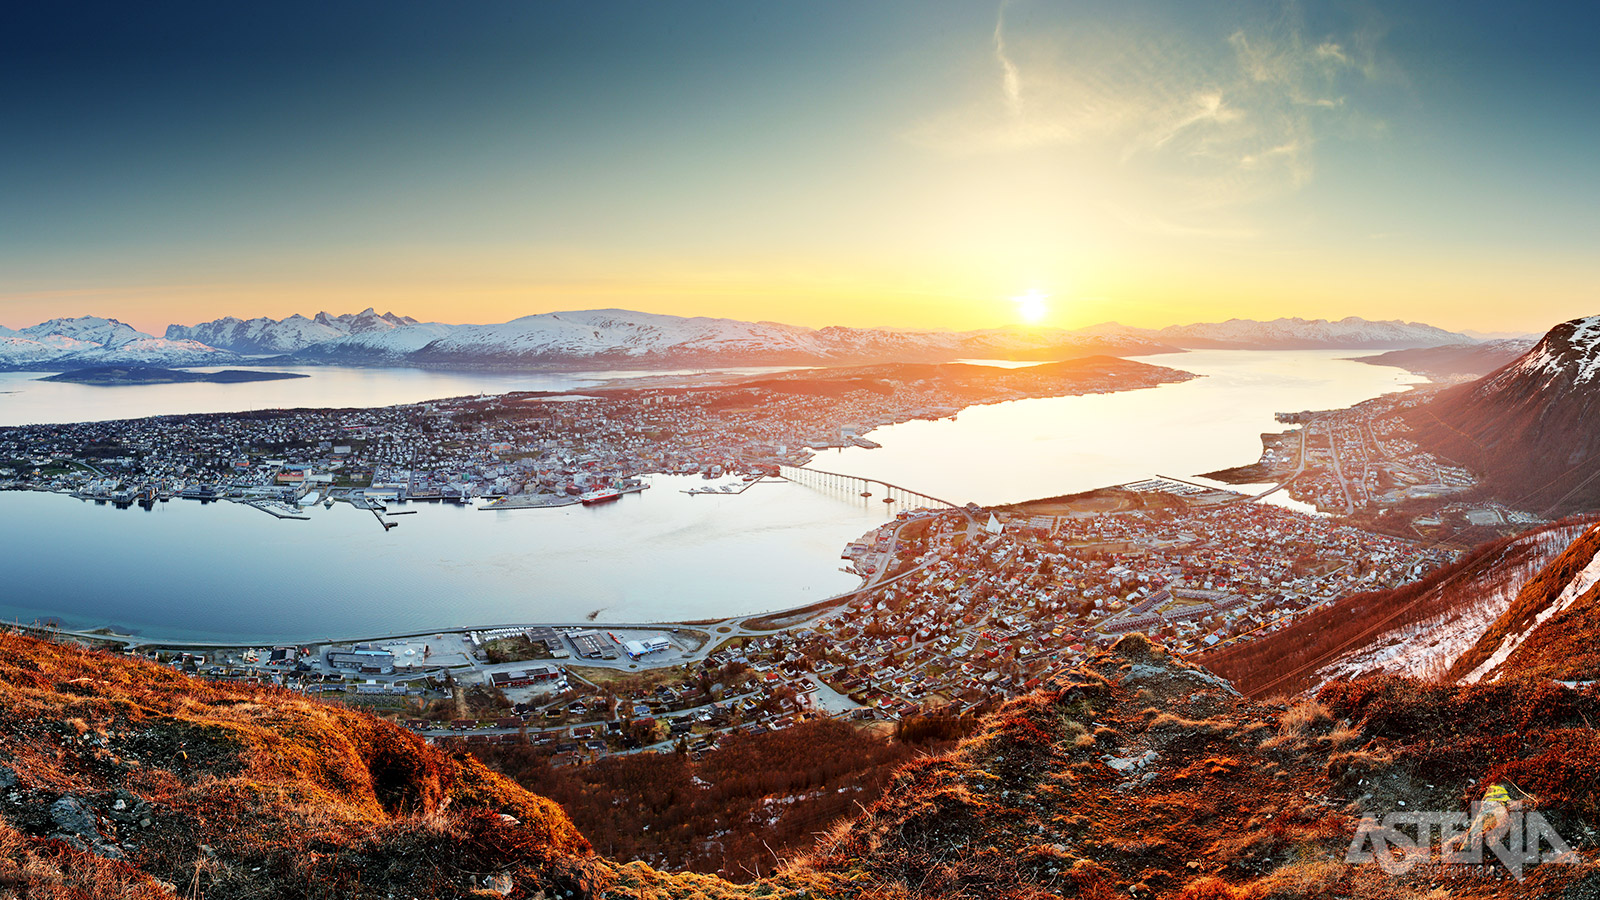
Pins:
<point x="606" y="338"/>
<point x="1525" y="426"/>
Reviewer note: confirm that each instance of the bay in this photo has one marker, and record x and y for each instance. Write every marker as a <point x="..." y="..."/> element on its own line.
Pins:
<point x="227" y="572"/>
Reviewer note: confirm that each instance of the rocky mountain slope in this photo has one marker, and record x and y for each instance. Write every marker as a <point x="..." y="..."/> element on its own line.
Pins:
<point x="1528" y="428"/>
<point x="1137" y="775"/>
<point x="124" y="778"/>
<point x="1443" y="627"/>
<point x="1550" y="630"/>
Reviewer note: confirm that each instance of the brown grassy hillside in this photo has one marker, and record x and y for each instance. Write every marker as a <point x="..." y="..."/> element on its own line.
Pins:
<point x="124" y="773"/>
<point x="1287" y="661"/>
<point x="1534" y="598"/>
<point x="1136" y="775"/>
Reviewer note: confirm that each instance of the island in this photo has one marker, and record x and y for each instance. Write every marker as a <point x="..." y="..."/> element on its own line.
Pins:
<point x="110" y="376"/>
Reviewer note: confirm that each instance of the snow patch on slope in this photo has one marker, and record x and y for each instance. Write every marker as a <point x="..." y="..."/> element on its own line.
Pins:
<point x="1571" y="351"/>
<point x="1577" y="587"/>
<point x="1427" y="649"/>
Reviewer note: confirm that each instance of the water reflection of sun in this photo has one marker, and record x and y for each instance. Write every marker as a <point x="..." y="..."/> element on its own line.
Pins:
<point x="1031" y="306"/>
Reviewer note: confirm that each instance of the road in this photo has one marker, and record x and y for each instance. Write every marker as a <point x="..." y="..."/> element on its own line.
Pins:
<point x="718" y="632"/>
<point x="1338" y="471"/>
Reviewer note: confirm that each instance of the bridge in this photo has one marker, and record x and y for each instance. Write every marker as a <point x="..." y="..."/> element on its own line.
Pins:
<point x="873" y="490"/>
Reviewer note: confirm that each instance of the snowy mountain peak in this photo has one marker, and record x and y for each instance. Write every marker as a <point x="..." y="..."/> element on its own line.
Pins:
<point x="291" y="334"/>
<point x="93" y="340"/>
<point x="1295" y="333"/>
<point x="1567" y="356"/>
<point x="94" y="329"/>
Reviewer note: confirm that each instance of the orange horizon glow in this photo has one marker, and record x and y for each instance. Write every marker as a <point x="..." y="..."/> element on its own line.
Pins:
<point x="1471" y="296"/>
<point x="1149" y="167"/>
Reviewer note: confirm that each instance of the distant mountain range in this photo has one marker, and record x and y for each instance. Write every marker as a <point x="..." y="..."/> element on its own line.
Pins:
<point x="1298" y="334"/>
<point x="613" y="337"/>
<point x="1454" y="359"/>
<point x="92" y="341"/>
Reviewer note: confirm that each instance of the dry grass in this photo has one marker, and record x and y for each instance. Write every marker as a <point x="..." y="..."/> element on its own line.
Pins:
<point x="262" y="793"/>
<point x="250" y="789"/>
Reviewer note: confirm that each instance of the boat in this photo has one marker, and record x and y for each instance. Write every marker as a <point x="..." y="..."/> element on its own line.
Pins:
<point x="594" y="497"/>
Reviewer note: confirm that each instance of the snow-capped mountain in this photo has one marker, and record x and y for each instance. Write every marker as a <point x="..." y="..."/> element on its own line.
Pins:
<point x="378" y="345"/>
<point x="615" y="336"/>
<point x="265" y="335"/>
<point x="1528" y="428"/>
<point x="91" y="341"/>
<point x="1565" y="358"/>
<point x="258" y="335"/>
<point x="608" y="337"/>
<point x="1295" y="334"/>
<point x="105" y="333"/>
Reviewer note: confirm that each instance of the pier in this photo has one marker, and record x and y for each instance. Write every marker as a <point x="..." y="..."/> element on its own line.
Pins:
<point x="726" y="490"/>
<point x="871" y="489"/>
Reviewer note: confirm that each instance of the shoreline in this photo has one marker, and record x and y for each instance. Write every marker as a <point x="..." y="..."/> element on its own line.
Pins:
<point x="134" y="639"/>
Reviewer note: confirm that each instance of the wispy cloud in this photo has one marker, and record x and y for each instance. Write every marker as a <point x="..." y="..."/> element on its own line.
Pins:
<point x="1010" y="78"/>
<point x="1199" y="123"/>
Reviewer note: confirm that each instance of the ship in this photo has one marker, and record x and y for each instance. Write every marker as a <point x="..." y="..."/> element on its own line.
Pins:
<point x="600" y="496"/>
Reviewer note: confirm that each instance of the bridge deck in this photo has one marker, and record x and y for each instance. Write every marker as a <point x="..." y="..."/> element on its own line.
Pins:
<point x="820" y="478"/>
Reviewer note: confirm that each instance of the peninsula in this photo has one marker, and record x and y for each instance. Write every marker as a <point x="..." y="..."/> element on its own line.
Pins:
<point x="112" y="376"/>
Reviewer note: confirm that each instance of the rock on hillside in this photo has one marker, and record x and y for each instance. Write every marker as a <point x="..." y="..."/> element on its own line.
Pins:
<point x="1140" y="775"/>
<point x="1135" y="775"/>
<point x="124" y="778"/>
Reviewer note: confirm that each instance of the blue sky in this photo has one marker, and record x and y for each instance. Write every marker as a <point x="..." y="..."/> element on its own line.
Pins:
<point x="885" y="163"/>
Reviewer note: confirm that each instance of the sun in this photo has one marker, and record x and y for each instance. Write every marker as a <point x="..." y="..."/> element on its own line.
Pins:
<point x="1031" y="306"/>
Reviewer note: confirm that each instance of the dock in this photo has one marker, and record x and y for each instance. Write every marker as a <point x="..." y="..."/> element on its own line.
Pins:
<point x="726" y="490"/>
<point x="550" y="501"/>
<point x="532" y="501"/>
<point x="273" y="511"/>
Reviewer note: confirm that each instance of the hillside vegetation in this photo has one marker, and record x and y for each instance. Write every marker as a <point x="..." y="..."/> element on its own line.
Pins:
<point x="1135" y="775"/>
<point x="1292" y="659"/>
<point x="124" y="778"/>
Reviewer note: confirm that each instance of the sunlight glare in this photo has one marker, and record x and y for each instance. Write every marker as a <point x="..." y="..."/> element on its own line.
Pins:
<point x="1031" y="306"/>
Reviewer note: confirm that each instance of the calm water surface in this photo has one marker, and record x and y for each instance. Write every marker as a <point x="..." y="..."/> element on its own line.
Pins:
<point x="227" y="572"/>
<point x="223" y="571"/>
<point x="1025" y="449"/>
<point x="25" y="400"/>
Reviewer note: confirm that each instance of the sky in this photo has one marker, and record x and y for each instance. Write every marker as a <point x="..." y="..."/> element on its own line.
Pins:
<point x="871" y="164"/>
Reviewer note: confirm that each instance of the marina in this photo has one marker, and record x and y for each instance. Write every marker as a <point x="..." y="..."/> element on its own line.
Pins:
<point x="725" y="490"/>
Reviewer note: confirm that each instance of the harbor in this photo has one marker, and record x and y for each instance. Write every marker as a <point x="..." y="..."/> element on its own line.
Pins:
<point x="557" y="500"/>
<point x="726" y="490"/>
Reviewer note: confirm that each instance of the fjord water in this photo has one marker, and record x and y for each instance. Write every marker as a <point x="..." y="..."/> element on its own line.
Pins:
<point x="1027" y="449"/>
<point x="25" y="400"/>
<point x="225" y="572"/>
